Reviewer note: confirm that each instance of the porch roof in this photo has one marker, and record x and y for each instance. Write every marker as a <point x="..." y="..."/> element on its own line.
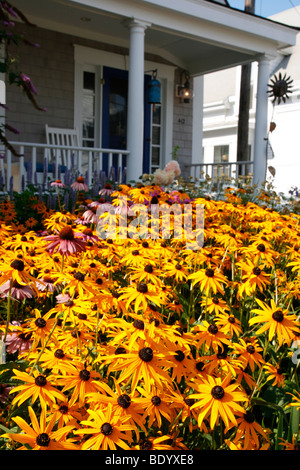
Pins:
<point x="200" y="36"/>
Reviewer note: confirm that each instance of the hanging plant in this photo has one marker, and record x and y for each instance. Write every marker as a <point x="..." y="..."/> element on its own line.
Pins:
<point x="280" y="88"/>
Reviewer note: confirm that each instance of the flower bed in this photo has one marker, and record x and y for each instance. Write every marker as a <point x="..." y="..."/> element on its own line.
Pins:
<point x="143" y="343"/>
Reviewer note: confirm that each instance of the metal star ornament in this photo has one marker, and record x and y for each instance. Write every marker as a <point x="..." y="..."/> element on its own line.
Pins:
<point x="280" y="88"/>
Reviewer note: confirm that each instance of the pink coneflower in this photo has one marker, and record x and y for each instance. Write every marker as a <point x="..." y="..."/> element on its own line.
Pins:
<point x="18" y="291"/>
<point x="90" y="215"/>
<point x="65" y="242"/>
<point x="17" y="340"/>
<point x="62" y="298"/>
<point x="89" y="236"/>
<point x="57" y="184"/>
<point x="79" y="185"/>
<point x="46" y="284"/>
<point x="107" y="190"/>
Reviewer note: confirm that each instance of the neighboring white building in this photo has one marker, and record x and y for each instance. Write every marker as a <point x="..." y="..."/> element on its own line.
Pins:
<point x="221" y="109"/>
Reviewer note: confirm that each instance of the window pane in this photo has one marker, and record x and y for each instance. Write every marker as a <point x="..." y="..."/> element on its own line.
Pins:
<point x="155" y="156"/>
<point x="155" y="135"/>
<point x="89" y="81"/>
<point x="156" y="114"/>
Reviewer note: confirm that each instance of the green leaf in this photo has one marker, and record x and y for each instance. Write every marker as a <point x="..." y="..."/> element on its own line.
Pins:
<point x="261" y="402"/>
<point x="294" y="423"/>
<point x="279" y="435"/>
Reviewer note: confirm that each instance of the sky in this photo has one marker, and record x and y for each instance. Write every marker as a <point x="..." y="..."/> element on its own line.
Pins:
<point x="266" y="8"/>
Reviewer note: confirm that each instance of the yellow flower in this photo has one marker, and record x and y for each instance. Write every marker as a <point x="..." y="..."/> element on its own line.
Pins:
<point x="219" y="399"/>
<point x="107" y="429"/>
<point x="277" y="321"/>
<point x="40" y="435"/>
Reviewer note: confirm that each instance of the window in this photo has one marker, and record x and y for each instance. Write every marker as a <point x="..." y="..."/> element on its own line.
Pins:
<point x="156" y="128"/>
<point x="89" y="109"/>
<point x="221" y="155"/>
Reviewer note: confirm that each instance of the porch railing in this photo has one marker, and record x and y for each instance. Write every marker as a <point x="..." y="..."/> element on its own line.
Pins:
<point x="42" y="161"/>
<point x="216" y="173"/>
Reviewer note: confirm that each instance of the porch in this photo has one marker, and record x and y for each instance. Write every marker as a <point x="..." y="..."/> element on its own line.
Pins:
<point x="80" y="43"/>
<point x="65" y="162"/>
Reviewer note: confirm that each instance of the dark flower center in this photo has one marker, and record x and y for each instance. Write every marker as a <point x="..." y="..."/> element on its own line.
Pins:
<point x="249" y="417"/>
<point x="40" y="322"/>
<point x="148" y="269"/>
<point x="106" y="429"/>
<point x="59" y="354"/>
<point x="79" y="276"/>
<point x="63" y="409"/>
<point x="69" y="303"/>
<point x="256" y="271"/>
<point x="135" y="252"/>
<point x="217" y="392"/>
<point x="120" y="350"/>
<point x="139" y="324"/>
<point x="142" y="288"/>
<point x="40" y="381"/>
<point x="66" y="233"/>
<point x="178" y="267"/>
<point x="189" y="401"/>
<point x="145" y="444"/>
<point x="146" y="354"/>
<point x="82" y="316"/>
<point x="231" y="319"/>
<point x="179" y="355"/>
<point x="278" y="316"/>
<point x="43" y="440"/>
<point x="84" y="374"/>
<point x="209" y="272"/>
<point x="200" y="366"/>
<point x="155" y="400"/>
<point x="124" y="401"/>
<point x="261" y="247"/>
<point x="215" y="300"/>
<point x="213" y="329"/>
<point x="250" y="349"/>
<point x="17" y="264"/>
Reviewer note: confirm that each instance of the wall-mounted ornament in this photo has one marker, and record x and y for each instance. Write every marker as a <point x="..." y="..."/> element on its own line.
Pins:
<point x="280" y="87"/>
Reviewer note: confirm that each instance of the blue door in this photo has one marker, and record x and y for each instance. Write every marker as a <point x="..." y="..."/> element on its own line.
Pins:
<point x="114" y="115"/>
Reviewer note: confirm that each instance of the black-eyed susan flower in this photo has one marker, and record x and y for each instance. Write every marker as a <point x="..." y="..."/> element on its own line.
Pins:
<point x="275" y="373"/>
<point x="163" y="442"/>
<point x="209" y="280"/>
<point x="253" y="277"/>
<point x="41" y="328"/>
<point x="277" y="321"/>
<point x="155" y="405"/>
<point x="138" y="295"/>
<point x="142" y="365"/>
<point x="219" y="398"/>
<point x="210" y="335"/>
<point x="41" y="435"/>
<point x="228" y="324"/>
<point x="248" y="430"/>
<point x="249" y="352"/>
<point x="35" y="387"/>
<point x="80" y="380"/>
<point x="108" y="430"/>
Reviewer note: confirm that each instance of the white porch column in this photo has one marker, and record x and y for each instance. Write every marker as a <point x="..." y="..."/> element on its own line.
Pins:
<point x="135" y="114"/>
<point x="197" y="138"/>
<point x="261" y="122"/>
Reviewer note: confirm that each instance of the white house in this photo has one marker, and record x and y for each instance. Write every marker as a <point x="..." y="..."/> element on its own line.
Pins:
<point x="95" y="62"/>
<point x="221" y="110"/>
